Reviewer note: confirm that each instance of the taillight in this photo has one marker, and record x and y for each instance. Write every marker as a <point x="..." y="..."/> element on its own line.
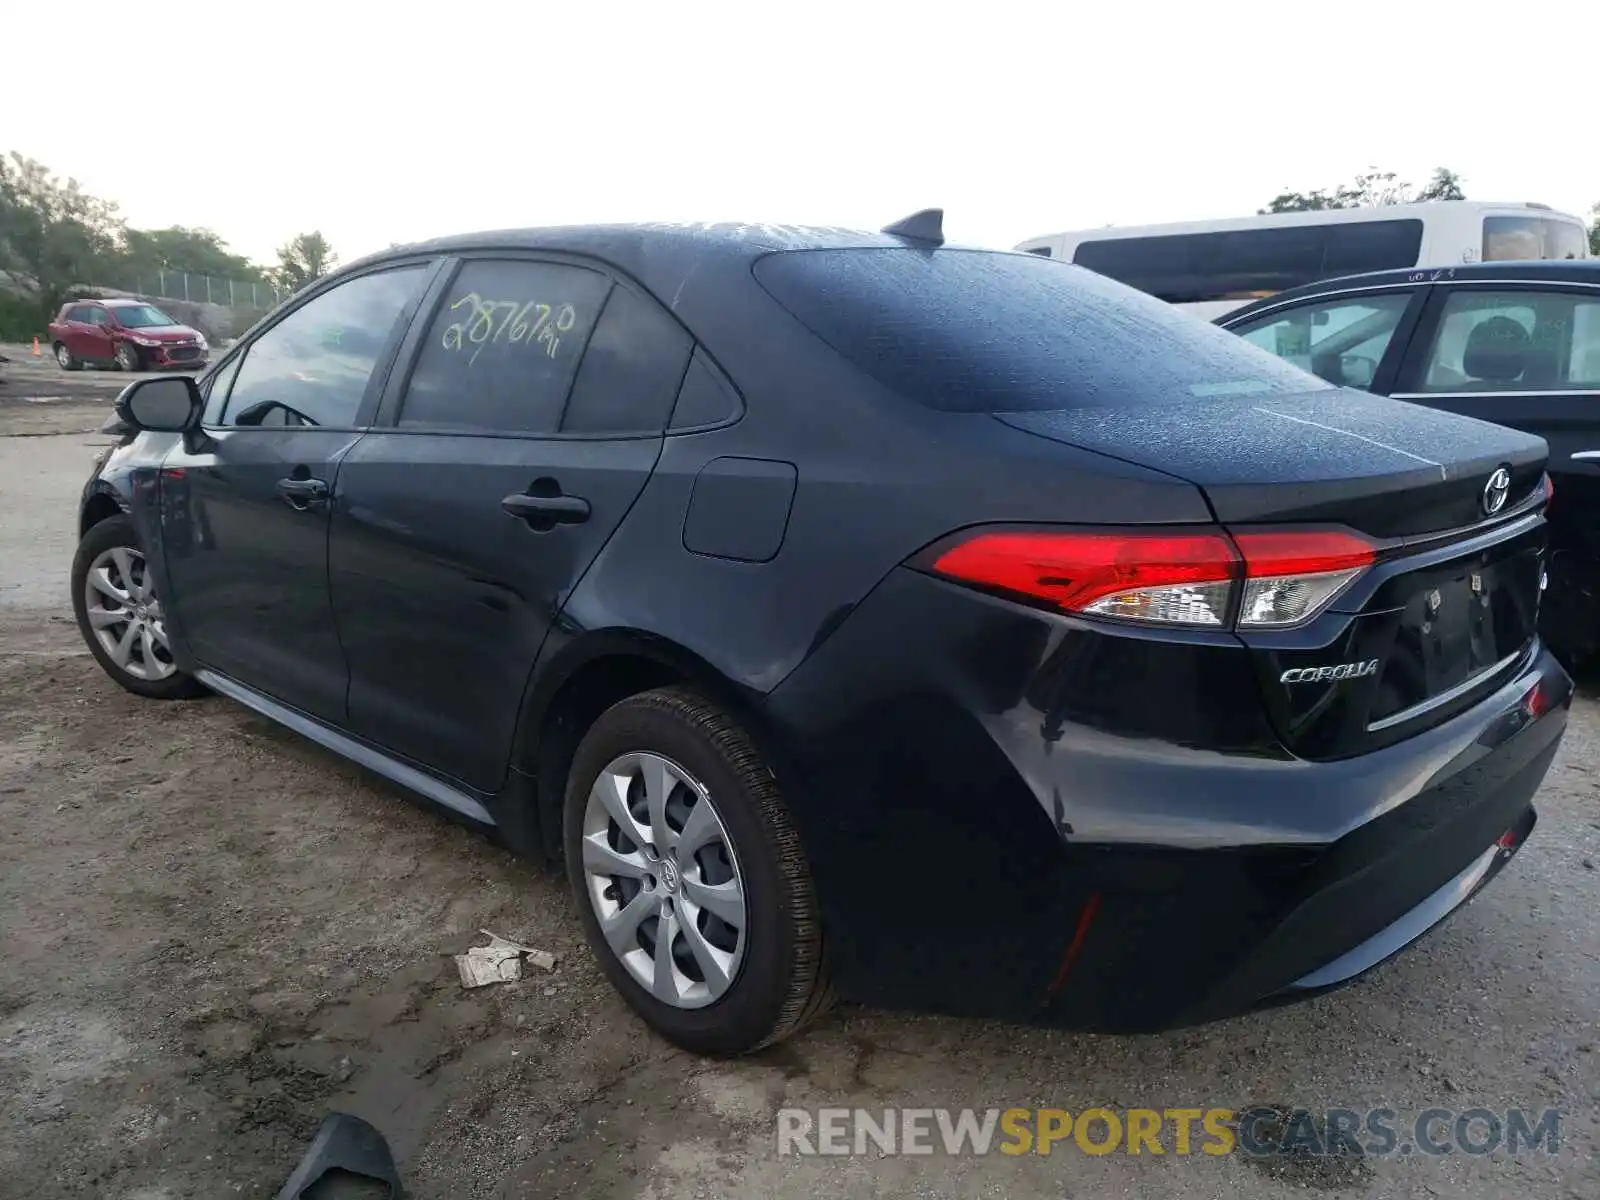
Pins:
<point x="1196" y="578"/>
<point x="1291" y="576"/>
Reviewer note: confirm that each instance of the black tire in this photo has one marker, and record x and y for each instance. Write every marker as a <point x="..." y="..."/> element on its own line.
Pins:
<point x="66" y="359"/>
<point x="110" y="534"/>
<point x="782" y="983"/>
<point x="127" y="357"/>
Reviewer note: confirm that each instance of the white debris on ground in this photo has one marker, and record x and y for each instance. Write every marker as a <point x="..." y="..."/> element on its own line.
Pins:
<point x="500" y="961"/>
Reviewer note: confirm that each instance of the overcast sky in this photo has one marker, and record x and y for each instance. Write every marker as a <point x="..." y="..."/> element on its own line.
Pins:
<point x="382" y="123"/>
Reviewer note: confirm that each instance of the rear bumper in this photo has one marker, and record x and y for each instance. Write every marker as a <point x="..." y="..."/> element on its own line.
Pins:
<point x="1011" y="814"/>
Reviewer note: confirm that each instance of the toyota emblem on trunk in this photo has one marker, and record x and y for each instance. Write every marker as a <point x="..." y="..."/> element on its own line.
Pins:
<point x="1496" y="491"/>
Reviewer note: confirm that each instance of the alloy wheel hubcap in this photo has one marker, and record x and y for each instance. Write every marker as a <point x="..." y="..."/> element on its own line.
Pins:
<point x="125" y="616"/>
<point x="661" y="873"/>
<point x="63" y="355"/>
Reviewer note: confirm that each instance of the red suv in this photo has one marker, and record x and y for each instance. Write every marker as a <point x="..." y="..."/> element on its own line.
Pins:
<point x="128" y="334"/>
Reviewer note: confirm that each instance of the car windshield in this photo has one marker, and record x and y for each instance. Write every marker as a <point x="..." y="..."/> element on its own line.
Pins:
<point x="141" y="316"/>
<point x="983" y="331"/>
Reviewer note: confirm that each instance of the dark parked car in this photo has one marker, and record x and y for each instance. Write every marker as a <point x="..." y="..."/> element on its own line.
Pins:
<point x="857" y="615"/>
<point x="1517" y="343"/>
<point x="127" y="334"/>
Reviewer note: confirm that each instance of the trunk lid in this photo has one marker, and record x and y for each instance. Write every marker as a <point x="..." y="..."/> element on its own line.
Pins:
<point x="1387" y="468"/>
<point x="1451" y="604"/>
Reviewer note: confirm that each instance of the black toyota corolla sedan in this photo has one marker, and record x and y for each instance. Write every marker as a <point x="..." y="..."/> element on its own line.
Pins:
<point x="857" y="615"/>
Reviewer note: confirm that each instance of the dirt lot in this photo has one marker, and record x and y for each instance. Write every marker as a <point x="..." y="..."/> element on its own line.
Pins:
<point x="211" y="933"/>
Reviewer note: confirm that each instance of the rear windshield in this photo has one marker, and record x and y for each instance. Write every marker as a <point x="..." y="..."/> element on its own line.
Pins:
<point x="1510" y="238"/>
<point x="981" y="331"/>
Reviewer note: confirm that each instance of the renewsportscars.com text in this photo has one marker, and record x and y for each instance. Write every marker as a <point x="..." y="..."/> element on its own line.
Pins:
<point x="1378" y="1132"/>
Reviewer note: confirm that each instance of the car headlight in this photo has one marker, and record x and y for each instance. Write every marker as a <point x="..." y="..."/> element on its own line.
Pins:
<point x="200" y="340"/>
<point x="137" y="340"/>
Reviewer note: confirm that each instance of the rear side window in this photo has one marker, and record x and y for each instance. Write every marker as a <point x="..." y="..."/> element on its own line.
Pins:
<point x="1243" y="264"/>
<point x="504" y="347"/>
<point x="1511" y="238"/>
<point x="79" y="312"/>
<point x="631" y="370"/>
<point x="981" y="331"/>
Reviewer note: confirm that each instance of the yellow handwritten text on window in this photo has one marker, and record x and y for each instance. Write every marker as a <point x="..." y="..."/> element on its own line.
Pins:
<point x="484" y="322"/>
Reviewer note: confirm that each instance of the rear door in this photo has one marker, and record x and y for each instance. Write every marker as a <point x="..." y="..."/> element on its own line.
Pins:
<point x="96" y="339"/>
<point x="74" y="332"/>
<point x="528" y="422"/>
<point x="245" y="509"/>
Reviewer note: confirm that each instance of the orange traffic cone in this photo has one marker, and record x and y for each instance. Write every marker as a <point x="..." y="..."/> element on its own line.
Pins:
<point x="36" y="345"/>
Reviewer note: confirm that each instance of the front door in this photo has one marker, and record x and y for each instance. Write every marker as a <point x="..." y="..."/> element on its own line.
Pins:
<point x="531" y="421"/>
<point x="245" y="508"/>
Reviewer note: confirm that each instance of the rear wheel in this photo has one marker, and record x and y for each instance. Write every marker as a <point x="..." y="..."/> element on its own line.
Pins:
<point x="127" y="356"/>
<point x="693" y="888"/>
<point x="120" y="615"/>
<point x="66" y="359"/>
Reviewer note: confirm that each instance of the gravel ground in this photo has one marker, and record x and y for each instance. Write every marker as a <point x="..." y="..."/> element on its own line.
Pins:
<point x="211" y="933"/>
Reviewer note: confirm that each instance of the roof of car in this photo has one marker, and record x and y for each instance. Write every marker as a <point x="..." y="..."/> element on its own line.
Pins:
<point x="728" y="237"/>
<point x="1567" y="270"/>
<point x="691" y="267"/>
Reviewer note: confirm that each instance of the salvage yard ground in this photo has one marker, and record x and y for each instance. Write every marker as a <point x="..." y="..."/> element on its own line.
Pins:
<point x="211" y="933"/>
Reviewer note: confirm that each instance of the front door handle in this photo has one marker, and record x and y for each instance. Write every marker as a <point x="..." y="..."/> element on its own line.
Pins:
<point x="303" y="494"/>
<point x="543" y="513"/>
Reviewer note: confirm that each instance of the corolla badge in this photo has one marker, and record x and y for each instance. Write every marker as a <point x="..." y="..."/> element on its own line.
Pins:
<point x="1350" y="670"/>
<point x="1496" y="491"/>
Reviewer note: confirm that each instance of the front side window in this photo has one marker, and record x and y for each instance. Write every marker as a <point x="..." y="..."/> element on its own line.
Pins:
<point x="982" y="331"/>
<point x="1515" y="342"/>
<point x="1342" y="340"/>
<point x="1511" y="238"/>
<point x="141" y="316"/>
<point x="98" y="316"/>
<point x="312" y="367"/>
<point x="503" y="348"/>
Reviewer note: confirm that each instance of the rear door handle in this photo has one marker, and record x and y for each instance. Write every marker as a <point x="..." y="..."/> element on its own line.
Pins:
<point x="546" y="512"/>
<point x="303" y="494"/>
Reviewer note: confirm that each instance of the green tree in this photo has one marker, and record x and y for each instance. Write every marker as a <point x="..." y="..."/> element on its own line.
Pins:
<point x="1594" y="231"/>
<point x="303" y="258"/>
<point x="53" y="234"/>
<point x="1444" y="185"/>
<point x="1371" y="189"/>
<point x="195" y="251"/>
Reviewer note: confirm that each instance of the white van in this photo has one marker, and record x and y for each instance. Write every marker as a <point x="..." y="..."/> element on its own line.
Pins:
<point x="1212" y="267"/>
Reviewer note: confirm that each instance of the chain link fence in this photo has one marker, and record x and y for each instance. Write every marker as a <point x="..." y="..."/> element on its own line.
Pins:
<point x="196" y="289"/>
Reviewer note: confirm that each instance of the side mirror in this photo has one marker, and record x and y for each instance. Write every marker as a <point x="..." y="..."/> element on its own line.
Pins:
<point x="170" y="404"/>
<point x="1358" y="372"/>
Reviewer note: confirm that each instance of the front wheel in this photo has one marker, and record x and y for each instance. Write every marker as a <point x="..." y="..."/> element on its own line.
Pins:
<point x="127" y="356"/>
<point x="66" y="359"/>
<point x="693" y="889"/>
<point x="120" y="615"/>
